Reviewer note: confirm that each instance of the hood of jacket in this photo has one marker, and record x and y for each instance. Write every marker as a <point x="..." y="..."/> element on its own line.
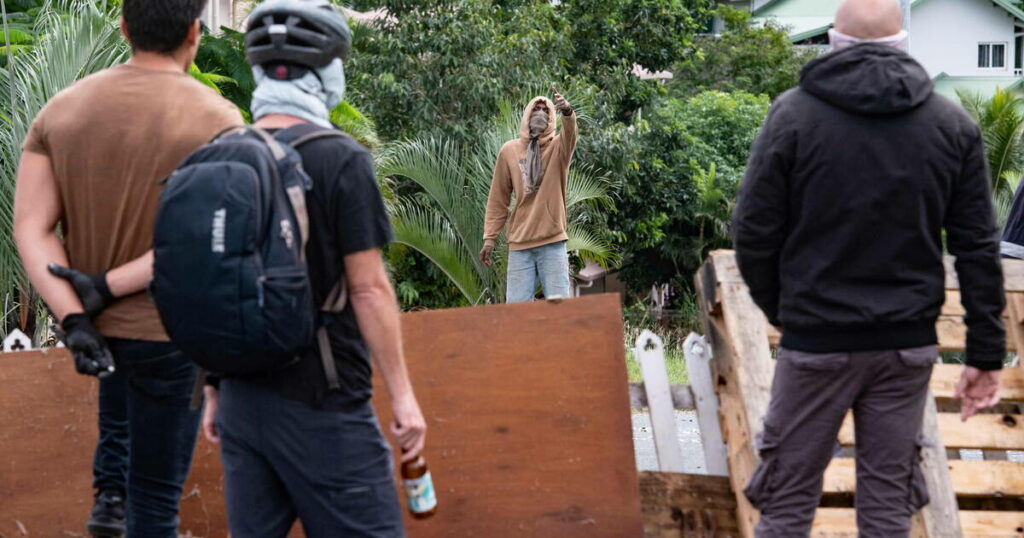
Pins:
<point x="868" y="79"/>
<point x="524" y="125"/>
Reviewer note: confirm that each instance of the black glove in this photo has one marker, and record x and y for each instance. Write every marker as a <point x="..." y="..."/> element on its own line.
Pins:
<point x="89" y="349"/>
<point x="92" y="290"/>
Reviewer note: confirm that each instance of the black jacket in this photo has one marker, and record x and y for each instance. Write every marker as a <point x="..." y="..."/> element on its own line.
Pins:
<point x="838" y="227"/>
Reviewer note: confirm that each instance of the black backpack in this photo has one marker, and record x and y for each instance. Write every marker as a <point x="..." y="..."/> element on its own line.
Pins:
<point x="229" y="271"/>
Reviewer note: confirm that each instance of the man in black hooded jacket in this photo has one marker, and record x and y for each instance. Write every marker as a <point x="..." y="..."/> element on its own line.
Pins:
<point x="838" y="234"/>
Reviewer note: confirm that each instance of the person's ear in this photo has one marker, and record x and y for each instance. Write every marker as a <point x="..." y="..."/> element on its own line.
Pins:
<point x="195" y="33"/>
<point x="124" y="31"/>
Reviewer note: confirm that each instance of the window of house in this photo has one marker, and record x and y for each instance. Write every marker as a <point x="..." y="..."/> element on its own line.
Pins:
<point x="992" y="55"/>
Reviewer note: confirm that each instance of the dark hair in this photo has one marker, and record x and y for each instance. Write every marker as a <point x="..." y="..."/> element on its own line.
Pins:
<point x="159" y="25"/>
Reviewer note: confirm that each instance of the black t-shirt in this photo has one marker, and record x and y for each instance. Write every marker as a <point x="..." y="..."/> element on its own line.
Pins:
<point x="346" y="215"/>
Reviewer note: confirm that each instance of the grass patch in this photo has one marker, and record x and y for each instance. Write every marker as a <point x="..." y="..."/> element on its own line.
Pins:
<point x="675" y="364"/>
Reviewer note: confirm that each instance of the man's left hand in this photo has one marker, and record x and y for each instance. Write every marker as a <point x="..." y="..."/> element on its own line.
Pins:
<point x="977" y="390"/>
<point x="92" y="290"/>
<point x="560" y="102"/>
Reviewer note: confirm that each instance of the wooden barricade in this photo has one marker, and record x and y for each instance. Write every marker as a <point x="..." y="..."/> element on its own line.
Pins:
<point x="968" y="498"/>
<point x="527" y="408"/>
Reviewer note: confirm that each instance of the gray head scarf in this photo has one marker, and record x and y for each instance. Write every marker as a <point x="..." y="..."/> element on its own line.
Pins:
<point x="534" y="165"/>
<point x="311" y="97"/>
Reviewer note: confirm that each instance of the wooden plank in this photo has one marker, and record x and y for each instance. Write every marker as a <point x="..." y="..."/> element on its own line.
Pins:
<point x="687" y="506"/>
<point x="743" y="364"/>
<point x="842" y="523"/>
<point x="1013" y="275"/>
<point x="985" y="431"/>
<point x="698" y="358"/>
<point x="651" y="354"/>
<point x="946" y="376"/>
<point x="941" y="516"/>
<point x="970" y="478"/>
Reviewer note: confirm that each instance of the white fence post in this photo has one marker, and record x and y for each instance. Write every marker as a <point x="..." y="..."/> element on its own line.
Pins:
<point x="698" y="358"/>
<point x="651" y="355"/>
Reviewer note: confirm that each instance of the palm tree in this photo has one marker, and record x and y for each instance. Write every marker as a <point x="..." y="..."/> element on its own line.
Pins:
<point x="444" y="222"/>
<point x="1002" y="126"/>
<point x="73" y="38"/>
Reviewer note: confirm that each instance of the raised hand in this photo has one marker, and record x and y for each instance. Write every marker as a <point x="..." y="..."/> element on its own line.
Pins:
<point x="561" y="103"/>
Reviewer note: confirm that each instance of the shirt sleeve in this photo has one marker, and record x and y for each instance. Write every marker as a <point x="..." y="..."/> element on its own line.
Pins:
<point x="973" y="237"/>
<point x="759" y="221"/>
<point x="497" y="201"/>
<point x="361" y="219"/>
<point x="35" y="141"/>
<point x="567" y="137"/>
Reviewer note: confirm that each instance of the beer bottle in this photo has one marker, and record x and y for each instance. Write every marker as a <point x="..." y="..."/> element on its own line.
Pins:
<point x="419" y="488"/>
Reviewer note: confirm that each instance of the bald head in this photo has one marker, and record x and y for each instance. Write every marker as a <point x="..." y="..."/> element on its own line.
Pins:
<point x="869" y="19"/>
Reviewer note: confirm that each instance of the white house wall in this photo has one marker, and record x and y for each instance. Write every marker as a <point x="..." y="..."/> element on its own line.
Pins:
<point x="944" y="36"/>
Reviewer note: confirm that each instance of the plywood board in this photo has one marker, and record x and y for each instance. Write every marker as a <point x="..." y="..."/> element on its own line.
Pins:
<point x="527" y="408"/>
<point x="529" y="418"/>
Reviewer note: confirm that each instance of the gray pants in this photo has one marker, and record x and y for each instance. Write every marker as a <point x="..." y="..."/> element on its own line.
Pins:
<point x="811" y="394"/>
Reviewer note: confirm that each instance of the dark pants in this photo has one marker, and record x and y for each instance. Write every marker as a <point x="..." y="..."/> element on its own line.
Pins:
<point x="811" y="394"/>
<point x="147" y="433"/>
<point x="285" y="460"/>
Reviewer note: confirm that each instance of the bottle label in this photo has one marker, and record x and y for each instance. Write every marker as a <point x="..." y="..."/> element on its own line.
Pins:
<point x="420" y="492"/>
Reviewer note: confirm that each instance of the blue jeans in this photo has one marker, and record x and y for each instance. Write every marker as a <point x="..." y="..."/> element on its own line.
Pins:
<point x="548" y="262"/>
<point x="284" y="459"/>
<point x="147" y="433"/>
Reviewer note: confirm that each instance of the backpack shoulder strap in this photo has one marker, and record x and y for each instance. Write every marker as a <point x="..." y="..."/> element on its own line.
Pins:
<point x="305" y="139"/>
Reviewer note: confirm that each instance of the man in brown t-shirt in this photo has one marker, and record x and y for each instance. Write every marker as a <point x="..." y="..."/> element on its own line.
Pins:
<point x="92" y="162"/>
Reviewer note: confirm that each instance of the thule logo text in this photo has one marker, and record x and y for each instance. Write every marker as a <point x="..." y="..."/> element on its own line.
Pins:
<point x="220" y="218"/>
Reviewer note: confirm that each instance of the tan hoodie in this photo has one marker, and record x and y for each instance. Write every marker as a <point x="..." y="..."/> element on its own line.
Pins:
<point x="538" y="218"/>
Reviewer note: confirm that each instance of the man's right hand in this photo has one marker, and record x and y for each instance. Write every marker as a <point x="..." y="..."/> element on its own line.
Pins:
<point x="409" y="428"/>
<point x="485" y="255"/>
<point x="977" y="390"/>
<point x="92" y="290"/>
<point x="88" y="348"/>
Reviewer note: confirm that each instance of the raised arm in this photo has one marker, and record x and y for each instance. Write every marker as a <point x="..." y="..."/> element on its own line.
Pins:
<point x="568" y="136"/>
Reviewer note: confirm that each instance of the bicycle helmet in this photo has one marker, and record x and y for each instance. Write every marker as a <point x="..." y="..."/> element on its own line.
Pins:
<point x="308" y="33"/>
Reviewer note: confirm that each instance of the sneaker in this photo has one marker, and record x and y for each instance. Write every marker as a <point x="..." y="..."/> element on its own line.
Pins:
<point x="107" y="519"/>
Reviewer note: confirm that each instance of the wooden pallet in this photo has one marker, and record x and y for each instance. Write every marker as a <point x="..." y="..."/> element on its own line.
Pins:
<point x="969" y="498"/>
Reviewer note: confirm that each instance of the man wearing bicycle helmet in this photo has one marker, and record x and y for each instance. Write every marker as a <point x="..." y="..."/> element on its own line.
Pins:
<point x="292" y="447"/>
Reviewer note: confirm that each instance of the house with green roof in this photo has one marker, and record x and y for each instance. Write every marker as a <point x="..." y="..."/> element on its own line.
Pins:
<point x="972" y="45"/>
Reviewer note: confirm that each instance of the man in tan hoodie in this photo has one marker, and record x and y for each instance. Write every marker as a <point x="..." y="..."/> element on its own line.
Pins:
<point x="536" y="168"/>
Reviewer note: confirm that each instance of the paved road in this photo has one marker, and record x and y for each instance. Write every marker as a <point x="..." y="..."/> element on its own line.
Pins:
<point x="689" y="439"/>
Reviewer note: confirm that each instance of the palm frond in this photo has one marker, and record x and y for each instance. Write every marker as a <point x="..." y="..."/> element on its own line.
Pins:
<point x="74" y="38"/>
<point x="428" y="233"/>
<point x="588" y="246"/>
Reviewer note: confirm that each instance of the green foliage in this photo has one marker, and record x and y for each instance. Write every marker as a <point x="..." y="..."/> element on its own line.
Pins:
<point x="443" y="67"/>
<point x="1001" y="118"/>
<point x="224" y="55"/>
<point x="684" y="163"/>
<point x="74" y="38"/>
<point x="606" y="38"/>
<point x="754" y="59"/>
